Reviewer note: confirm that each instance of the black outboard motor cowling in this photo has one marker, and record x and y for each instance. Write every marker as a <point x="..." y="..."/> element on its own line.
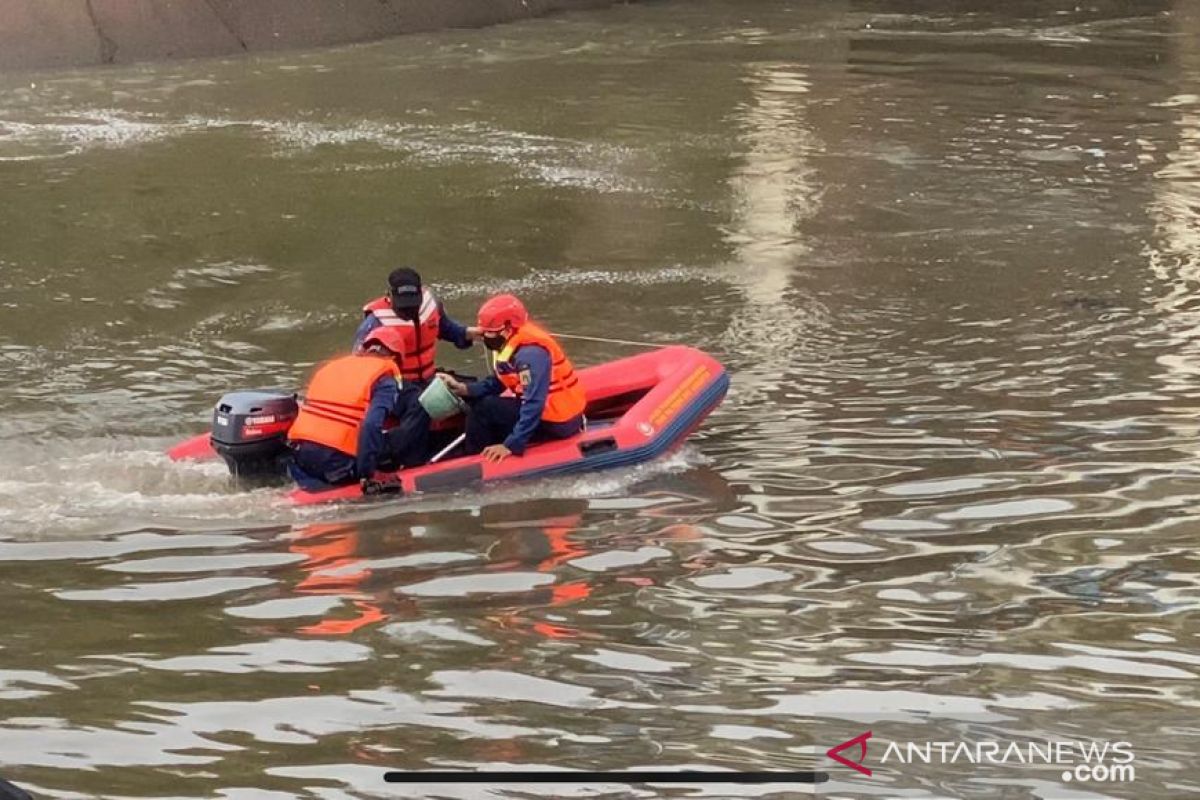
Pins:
<point x="249" y="432"/>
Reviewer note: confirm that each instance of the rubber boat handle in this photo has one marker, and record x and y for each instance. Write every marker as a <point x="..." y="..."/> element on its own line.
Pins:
<point x="597" y="446"/>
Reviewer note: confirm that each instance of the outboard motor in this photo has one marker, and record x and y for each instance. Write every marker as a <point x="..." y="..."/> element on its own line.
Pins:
<point x="249" y="431"/>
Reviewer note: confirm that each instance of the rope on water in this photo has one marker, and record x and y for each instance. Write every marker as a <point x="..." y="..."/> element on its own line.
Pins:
<point x="608" y="341"/>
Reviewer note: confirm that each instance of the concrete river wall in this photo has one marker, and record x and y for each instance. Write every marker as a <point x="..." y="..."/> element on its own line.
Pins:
<point x="66" y="33"/>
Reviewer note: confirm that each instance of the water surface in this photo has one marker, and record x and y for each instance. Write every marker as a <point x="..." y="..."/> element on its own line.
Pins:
<point x="947" y="252"/>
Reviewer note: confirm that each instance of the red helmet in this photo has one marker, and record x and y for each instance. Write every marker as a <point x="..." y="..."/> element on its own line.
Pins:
<point x="501" y="310"/>
<point x="385" y="337"/>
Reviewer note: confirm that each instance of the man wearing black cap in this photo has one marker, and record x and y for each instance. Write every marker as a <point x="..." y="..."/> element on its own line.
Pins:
<point x="420" y="317"/>
<point x="417" y="315"/>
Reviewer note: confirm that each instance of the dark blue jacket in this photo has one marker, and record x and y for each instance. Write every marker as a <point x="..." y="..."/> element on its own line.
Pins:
<point x="315" y="464"/>
<point x="448" y="330"/>
<point x="532" y="363"/>
<point x="385" y="399"/>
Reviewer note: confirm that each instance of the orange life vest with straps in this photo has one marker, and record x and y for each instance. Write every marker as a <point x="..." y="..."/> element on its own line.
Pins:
<point x="337" y="399"/>
<point x="565" y="399"/>
<point x="420" y="337"/>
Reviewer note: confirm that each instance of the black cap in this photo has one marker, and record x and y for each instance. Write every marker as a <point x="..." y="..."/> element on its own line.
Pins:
<point x="404" y="288"/>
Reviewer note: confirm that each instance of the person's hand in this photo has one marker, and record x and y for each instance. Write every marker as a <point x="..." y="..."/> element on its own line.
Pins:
<point x="496" y="452"/>
<point x="456" y="386"/>
<point x="474" y="332"/>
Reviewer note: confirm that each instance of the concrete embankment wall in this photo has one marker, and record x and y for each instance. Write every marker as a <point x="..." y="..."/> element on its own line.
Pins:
<point x="62" y="33"/>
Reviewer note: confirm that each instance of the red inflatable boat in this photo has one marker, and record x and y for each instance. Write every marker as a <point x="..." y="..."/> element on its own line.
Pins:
<point x="638" y="409"/>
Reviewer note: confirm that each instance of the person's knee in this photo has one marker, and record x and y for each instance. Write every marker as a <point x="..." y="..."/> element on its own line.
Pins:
<point x="488" y="407"/>
<point x="561" y="430"/>
<point x="407" y="443"/>
<point x="481" y="422"/>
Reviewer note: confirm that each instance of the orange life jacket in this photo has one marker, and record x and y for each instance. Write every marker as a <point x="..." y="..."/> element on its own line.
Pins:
<point x="565" y="399"/>
<point x="337" y="399"/>
<point x="420" y="337"/>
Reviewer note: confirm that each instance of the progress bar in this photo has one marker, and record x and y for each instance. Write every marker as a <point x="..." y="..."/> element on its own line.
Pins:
<point x="638" y="776"/>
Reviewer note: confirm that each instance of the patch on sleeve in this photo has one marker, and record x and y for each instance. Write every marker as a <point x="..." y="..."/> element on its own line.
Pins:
<point x="525" y="376"/>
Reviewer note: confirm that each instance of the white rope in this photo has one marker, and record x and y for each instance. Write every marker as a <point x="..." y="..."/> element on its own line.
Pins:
<point x="607" y="341"/>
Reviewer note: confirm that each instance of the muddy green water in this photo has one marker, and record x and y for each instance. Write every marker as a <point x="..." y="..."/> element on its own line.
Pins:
<point x="947" y="251"/>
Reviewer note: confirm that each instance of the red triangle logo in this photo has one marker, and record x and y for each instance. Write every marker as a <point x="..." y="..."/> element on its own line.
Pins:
<point x="835" y="753"/>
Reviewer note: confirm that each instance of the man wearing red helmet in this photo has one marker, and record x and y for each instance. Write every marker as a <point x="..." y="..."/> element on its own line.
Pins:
<point x="339" y="435"/>
<point x="547" y="400"/>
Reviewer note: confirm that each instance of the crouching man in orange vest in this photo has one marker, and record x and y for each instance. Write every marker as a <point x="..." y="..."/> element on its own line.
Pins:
<point x="339" y="436"/>
<point x="547" y="400"/>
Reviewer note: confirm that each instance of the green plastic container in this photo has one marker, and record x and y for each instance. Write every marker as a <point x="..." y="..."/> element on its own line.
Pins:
<point x="439" y="402"/>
